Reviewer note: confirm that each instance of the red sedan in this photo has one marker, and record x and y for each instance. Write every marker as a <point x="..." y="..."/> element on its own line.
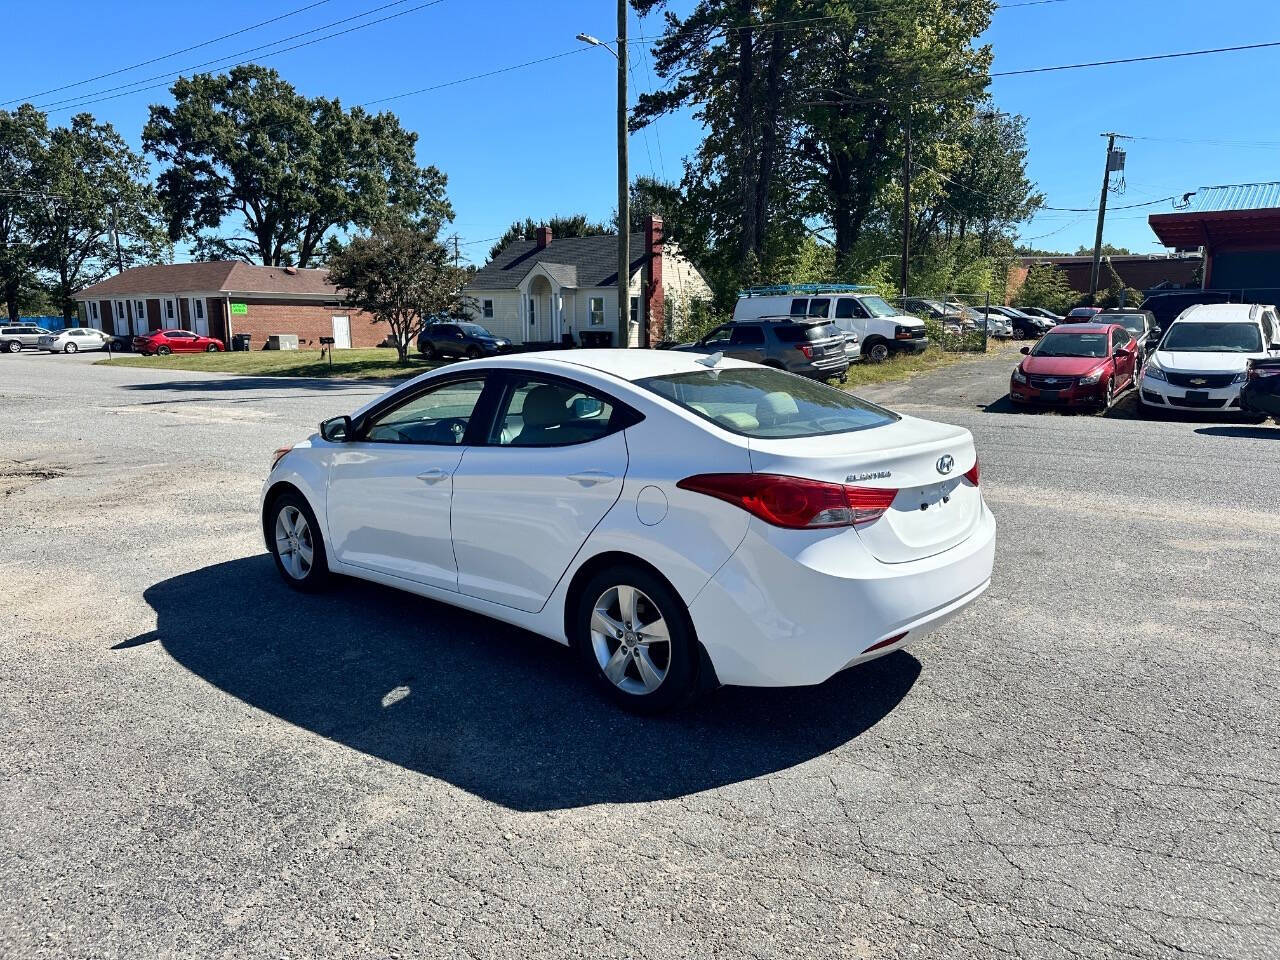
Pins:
<point x="164" y="342"/>
<point x="1080" y="364"/>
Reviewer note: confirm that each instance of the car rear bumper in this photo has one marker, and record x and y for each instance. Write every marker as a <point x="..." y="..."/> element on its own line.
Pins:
<point x="771" y="617"/>
<point x="1162" y="394"/>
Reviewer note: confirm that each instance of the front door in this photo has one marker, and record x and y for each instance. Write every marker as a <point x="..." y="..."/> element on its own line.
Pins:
<point x="139" y="308"/>
<point x="524" y="503"/>
<point x="390" y="488"/>
<point x="342" y="332"/>
<point x="200" y="316"/>
<point x="119" y="310"/>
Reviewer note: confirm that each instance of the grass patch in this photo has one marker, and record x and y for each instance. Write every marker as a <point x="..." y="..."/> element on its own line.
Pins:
<point x="903" y="366"/>
<point x="371" y="362"/>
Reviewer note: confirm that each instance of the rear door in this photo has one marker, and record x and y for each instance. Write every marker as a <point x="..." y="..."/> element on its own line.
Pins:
<point x="746" y="342"/>
<point x="526" y="501"/>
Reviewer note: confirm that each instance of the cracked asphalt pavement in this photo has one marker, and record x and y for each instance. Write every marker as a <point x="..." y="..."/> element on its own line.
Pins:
<point x="198" y="762"/>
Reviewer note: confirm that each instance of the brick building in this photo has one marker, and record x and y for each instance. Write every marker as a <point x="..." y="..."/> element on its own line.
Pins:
<point x="1139" y="271"/>
<point x="225" y="298"/>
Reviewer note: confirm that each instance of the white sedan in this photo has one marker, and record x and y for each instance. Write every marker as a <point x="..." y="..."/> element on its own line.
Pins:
<point x="73" y="340"/>
<point x="680" y="521"/>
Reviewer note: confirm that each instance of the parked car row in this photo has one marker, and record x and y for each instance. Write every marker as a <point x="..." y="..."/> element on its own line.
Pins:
<point x="1205" y="361"/>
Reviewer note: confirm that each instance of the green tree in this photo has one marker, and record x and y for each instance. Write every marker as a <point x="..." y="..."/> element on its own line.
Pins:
<point x="1108" y="250"/>
<point x="1046" y="288"/>
<point x="562" y="227"/>
<point x="100" y="195"/>
<point x="401" y="275"/>
<point x="24" y="138"/>
<point x="246" y="150"/>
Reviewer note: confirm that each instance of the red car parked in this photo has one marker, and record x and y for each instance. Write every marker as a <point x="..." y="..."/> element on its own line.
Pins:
<point x="165" y="342"/>
<point x="1078" y="364"/>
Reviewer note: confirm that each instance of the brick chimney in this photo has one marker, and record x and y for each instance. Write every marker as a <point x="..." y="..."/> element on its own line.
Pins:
<point x="654" y="307"/>
<point x="544" y="237"/>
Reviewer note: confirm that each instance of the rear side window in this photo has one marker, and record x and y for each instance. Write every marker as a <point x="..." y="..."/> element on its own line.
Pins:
<point x="805" y="333"/>
<point x="766" y="403"/>
<point x="800" y="307"/>
<point x="818" y="307"/>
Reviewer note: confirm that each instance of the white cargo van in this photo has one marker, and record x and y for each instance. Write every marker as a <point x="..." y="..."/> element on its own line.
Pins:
<point x="881" y="329"/>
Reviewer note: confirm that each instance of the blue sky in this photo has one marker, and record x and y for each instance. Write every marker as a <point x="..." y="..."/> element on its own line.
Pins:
<point x="540" y="140"/>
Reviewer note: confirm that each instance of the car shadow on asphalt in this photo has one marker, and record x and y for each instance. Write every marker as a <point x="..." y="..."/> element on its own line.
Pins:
<point x="497" y="711"/>
<point x="1242" y="432"/>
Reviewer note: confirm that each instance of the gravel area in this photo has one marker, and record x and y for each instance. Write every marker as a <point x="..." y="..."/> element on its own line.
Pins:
<point x="200" y="763"/>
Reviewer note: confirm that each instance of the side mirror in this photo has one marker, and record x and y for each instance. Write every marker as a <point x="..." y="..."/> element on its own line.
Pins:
<point x="337" y="429"/>
<point x="1025" y="351"/>
<point x="1156" y="332"/>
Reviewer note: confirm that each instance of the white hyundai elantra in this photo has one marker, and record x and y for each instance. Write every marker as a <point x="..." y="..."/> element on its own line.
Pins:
<point x="680" y="521"/>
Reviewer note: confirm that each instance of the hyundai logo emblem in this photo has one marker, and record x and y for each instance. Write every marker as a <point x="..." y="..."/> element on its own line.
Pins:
<point x="946" y="463"/>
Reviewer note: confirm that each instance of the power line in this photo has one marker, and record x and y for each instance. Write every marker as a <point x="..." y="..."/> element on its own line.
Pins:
<point x="962" y="186"/>
<point x="85" y="100"/>
<point x="175" y="53"/>
<point x="1146" y="59"/>
<point x="476" y="76"/>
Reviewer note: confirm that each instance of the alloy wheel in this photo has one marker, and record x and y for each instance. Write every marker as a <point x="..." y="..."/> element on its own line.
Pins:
<point x="71" y="348"/>
<point x="879" y="352"/>
<point x="294" y="542"/>
<point x="630" y="640"/>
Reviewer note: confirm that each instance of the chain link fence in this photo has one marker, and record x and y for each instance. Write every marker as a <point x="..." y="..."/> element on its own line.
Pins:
<point x="957" y="322"/>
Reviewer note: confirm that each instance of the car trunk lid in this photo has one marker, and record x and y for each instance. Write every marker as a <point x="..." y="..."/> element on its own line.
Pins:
<point x="935" y="507"/>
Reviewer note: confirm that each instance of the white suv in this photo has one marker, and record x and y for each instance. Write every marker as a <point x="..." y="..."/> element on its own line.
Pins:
<point x="1201" y="361"/>
<point x="881" y="329"/>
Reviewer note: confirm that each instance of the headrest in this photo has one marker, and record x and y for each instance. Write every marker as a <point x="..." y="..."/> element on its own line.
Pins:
<point x="545" y="406"/>
<point x="775" y="407"/>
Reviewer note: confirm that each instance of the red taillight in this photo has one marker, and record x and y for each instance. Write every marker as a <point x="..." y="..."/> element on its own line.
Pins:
<point x="973" y="473"/>
<point x="806" y="350"/>
<point x="884" y="643"/>
<point x="795" y="503"/>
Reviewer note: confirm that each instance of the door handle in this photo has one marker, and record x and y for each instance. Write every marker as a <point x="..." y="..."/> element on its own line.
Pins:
<point x="589" y="478"/>
<point x="434" y="475"/>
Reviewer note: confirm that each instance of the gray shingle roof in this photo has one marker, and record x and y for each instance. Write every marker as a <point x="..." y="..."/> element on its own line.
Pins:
<point x="574" y="261"/>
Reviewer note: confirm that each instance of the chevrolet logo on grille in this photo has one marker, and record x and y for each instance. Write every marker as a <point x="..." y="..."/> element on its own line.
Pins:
<point x="1050" y="380"/>
<point x="1198" y="381"/>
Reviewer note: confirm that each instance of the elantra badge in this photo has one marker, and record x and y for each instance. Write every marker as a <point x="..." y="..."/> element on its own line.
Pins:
<point x="859" y="477"/>
<point x="946" y="463"/>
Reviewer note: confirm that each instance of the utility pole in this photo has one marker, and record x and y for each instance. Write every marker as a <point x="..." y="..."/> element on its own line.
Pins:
<point x="906" y="201"/>
<point x="624" y="198"/>
<point x="457" y="257"/>
<point x="1112" y="164"/>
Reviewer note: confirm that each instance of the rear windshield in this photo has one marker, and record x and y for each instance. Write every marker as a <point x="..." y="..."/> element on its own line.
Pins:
<point x="1190" y="337"/>
<point x="1072" y="345"/>
<point x="762" y="402"/>
<point x="1135" y="323"/>
<point x="806" y="332"/>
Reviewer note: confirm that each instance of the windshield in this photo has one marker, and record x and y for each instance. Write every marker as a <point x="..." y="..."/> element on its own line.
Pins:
<point x="1191" y="337"/>
<point x="761" y="402"/>
<point x="1072" y="345"/>
<point x="474" y="330"/>
<point x="878" y="307"/>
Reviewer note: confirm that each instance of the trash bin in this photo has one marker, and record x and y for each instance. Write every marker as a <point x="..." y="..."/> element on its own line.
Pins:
<point x="240" y="341"/>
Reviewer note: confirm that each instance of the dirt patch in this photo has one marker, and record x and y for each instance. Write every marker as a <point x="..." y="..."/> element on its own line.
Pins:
<point x="15" y="475"/>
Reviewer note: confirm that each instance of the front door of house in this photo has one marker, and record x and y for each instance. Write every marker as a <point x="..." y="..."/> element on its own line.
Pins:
<point x="341" y="333"/>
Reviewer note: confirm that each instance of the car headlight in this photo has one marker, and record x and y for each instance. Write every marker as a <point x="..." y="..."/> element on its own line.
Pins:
<point x="1241" y="377"/>
<point x="1089" y="379"/>
<point x="1153" y="371"/>
<point x="1019" y="376"/>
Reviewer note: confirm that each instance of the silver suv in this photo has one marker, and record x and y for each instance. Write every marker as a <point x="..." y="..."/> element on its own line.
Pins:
<point x="13" y="338"/>
<point x="810" y="346"/>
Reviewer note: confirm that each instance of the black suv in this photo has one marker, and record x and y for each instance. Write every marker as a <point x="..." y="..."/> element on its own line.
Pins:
<point x="810" y="346"/>
<point x="460" y="340"/>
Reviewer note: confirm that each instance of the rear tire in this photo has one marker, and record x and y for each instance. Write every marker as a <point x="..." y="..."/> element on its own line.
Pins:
<point x="70" y="348"/>
<point x="653" y="666"/>
<point x="296" y="544"/>
<point x="13" y="346"/>
<point x="163" y="351"/>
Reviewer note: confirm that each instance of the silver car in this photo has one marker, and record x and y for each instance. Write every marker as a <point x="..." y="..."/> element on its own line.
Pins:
<point x="74" y="340"/>
<point x="16" y="336"/>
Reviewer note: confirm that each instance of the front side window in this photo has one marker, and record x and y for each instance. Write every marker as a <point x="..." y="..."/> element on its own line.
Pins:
<point x="1190" y="336"/>
<point x="595" y="311"/>
<point x="766" y="403"/>
<point x="719" y="337"/>
<point x="488" y="309"/>
<point x="1120" y="338"/>
<point x="541" y="413"/>
<point x="746" y="336"/>
<point x="1071" y="345"/>
<point x="439" y="416"/>
<point x="845" y="308"/>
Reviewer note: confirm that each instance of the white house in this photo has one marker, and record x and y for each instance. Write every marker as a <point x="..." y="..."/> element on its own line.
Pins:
<point x="540" y="291"/>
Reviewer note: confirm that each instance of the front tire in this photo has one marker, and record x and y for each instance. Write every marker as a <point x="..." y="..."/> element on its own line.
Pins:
<point x="296" y="544"/>
<point x="211" y="348"/>
<point x="427" y="350"/>
<point x="473" y="353"/>
<point x="877" y="351"/>
<point x="634" y="634"/>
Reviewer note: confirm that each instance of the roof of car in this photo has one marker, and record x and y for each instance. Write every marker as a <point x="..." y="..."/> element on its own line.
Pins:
<point x="624" y="364"/>
<point x="1082" y="328"/>
<point x="1219" y="312"/>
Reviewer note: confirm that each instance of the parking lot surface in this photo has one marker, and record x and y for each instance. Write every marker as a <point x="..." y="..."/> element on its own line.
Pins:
<point x="198" y="762"/>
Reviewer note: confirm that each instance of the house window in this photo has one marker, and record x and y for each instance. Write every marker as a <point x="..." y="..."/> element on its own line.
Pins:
<point x="595" y="311"/>
<point x="635" y="309"/>
<point x="488" y="309"/>
<point x="533" y="311"/>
